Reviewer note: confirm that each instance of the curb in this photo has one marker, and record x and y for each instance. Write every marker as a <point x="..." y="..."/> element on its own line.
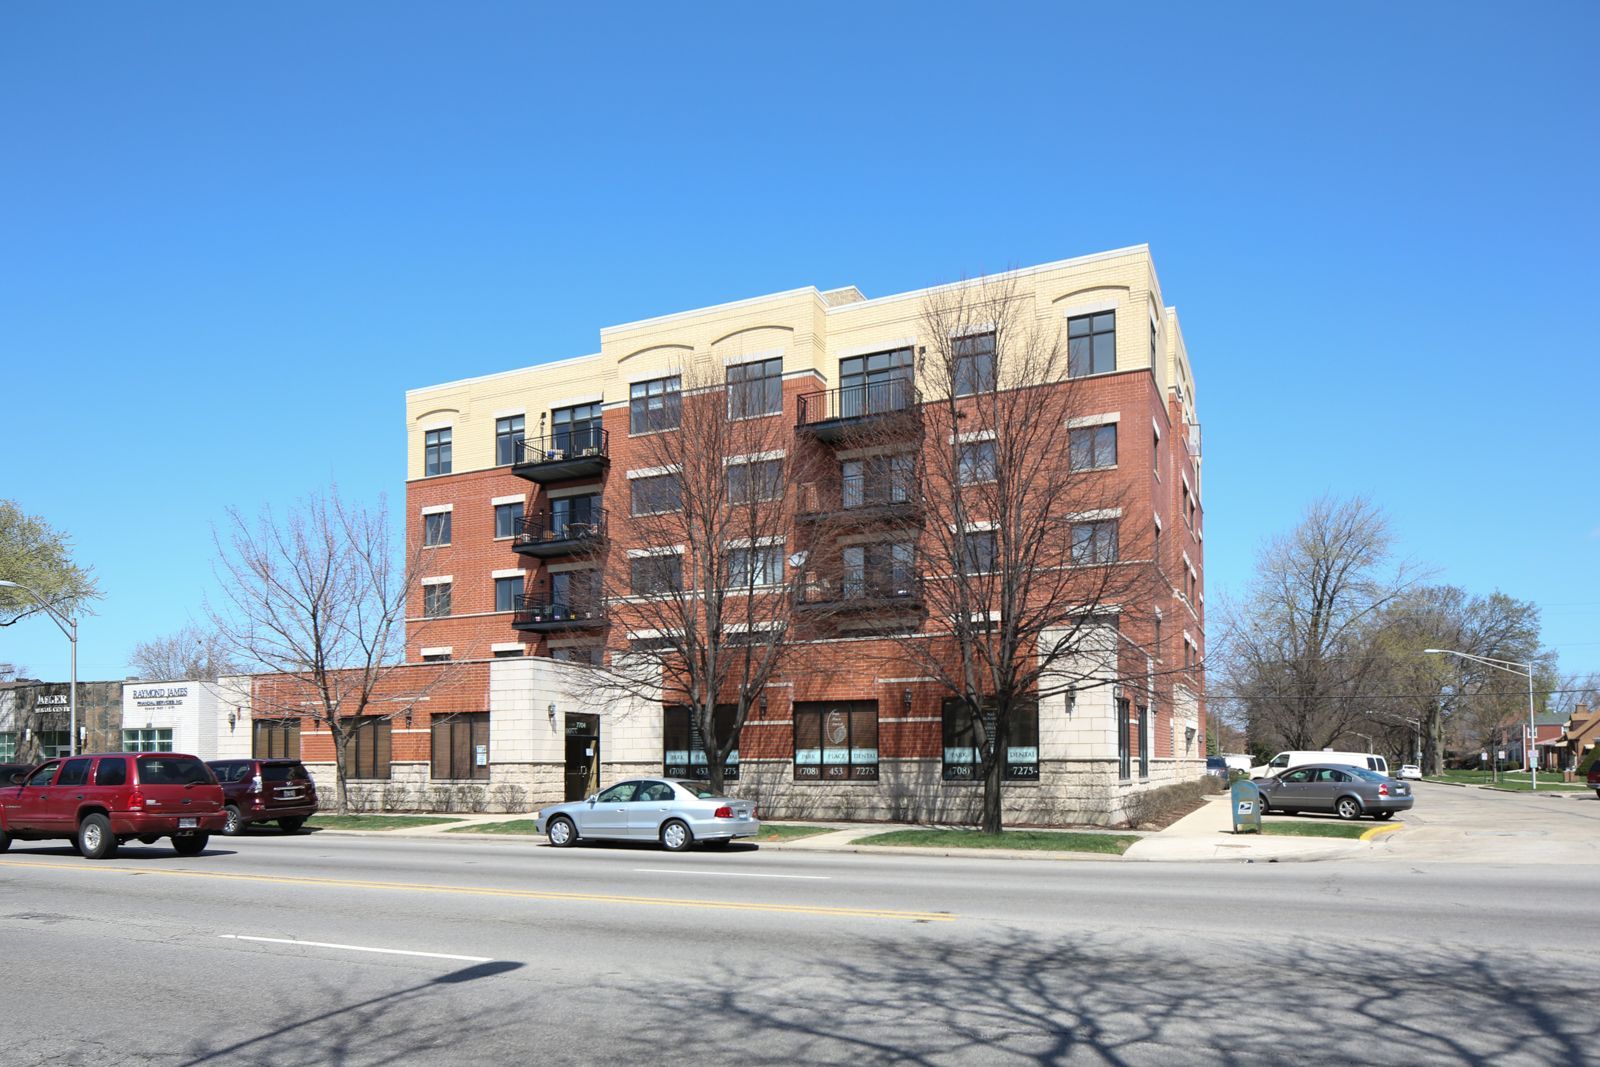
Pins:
<point x="1379" y="831"/>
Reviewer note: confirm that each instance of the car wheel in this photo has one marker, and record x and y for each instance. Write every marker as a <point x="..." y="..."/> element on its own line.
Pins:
<point x="675" y="835"/>
<point x="561" y="832"/>
<point x="1348" y="808"/>
<point x="292" y="824"/>
<point x="235" y="823"/>
<point x="1383" y="816"/>
<point x="190" y="844"/>
<point x="95" y="840"/>
<point x="5" y="840"/>
<point x="1263" y="805"/>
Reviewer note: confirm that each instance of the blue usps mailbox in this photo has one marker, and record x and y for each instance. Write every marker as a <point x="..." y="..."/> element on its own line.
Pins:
<point x="1246" y="807"/>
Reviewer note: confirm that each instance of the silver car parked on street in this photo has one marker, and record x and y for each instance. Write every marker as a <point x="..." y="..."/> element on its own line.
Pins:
<point x="677" y="814"/>
<point x="1348" y="792"/>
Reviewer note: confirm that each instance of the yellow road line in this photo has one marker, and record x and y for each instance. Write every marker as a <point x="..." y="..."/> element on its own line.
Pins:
<point x="1379" y="830"/>
<point x="517" y="894"/>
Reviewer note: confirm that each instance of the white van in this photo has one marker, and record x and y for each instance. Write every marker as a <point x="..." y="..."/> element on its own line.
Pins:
<point x="1295" y="757"/>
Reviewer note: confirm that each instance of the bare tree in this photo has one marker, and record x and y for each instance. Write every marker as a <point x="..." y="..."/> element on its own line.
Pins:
<point x="1031" y="585"/>
<point x="317" y="599"/>
<point x="36" y="555"/>
<point x="700" y="582"/>
<point x="191" y="652"/>
<point x="1300" y="648"/>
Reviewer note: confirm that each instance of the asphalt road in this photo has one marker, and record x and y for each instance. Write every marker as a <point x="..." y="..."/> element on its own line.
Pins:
<point x="260" y="952"/>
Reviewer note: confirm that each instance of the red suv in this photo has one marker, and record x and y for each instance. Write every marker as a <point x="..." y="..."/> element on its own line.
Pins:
<point x="1594" y="777"/>
<point x="102" y="801"/>
<point x="261" y="790"/>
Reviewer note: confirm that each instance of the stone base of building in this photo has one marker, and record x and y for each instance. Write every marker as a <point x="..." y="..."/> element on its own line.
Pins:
<point x="1068" y="792"/>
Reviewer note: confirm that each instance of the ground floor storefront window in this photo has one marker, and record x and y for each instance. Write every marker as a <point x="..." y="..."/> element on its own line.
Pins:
<point x="366" y="752"/>
<point x="148" y="740"/>
<point x="684" y="745"/>
<point x="836" y="741"/>
<point x="275" y="739"/>
<point x="461" y="746"/>
<point x="963" y="762"/>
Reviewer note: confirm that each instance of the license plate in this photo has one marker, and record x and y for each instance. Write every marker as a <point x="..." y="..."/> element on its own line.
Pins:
<point x="289" y="794"/>
<point x="188" y="824"/>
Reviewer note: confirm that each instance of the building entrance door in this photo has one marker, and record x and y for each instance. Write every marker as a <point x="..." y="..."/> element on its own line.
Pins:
<point x="583" y="755"/>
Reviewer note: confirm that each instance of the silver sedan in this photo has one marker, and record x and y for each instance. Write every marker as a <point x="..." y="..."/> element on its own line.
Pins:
<point x="1349" y="792"/>
<point x="677" y="814"/>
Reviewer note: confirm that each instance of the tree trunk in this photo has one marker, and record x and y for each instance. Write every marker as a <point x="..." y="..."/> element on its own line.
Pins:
<point x="341" y="804"/>
<point x="993" y="780"/>
<point x="1433" y="747"/>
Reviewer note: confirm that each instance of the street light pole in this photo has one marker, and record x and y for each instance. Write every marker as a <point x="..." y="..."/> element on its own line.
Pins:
<point x="70" y="628"/>
<point x="1506" y="665"/>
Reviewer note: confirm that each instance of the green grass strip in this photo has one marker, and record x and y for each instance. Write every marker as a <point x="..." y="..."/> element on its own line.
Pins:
<point x="375" y="822"/>
<point x="787" y="831"/>
<point x="1032" y="840"/>
<point x="512" y="826"/>
<point x="1314" y="829"/>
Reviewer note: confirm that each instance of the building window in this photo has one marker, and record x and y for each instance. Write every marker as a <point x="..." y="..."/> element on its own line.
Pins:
<point x="512" y="653"/>
<point x="978" y="551"/>
<point x="507" y="519"/>
<point x="586" y="654"/>
<point x="836" y="742"/>
<point x="654" y="405"/>
<point x="577" y="592"/>
<point x="1155" y="452"/>
<point x="877" y="481"/>
<point x="657" y="495"/>
<point x="575" y="429"/>
<point x="1092" y="344"/>
<point x="53" y="743"/>
<point x="963" y="762"/>
<point x="436" y="600"/>
<point x="366" y="750"/>
<point x="275" y="739"/>
<point x="461" y="746"/>
<point x="8" y="746"/>
<point x="880" y="569"/>
<point x="436" y="529"/>
<point x="1093" y="447"/>
<point x="436" y="452"/>
<point x="506" y="591"/>
<point x="755" y="388"/>
<point x="437" y="657"/>
<point x="975" y="462"/>
<point x="1094" y="542"/>
<point x="508" y="435"/>
<point x="756" y="480"/>
<point x="684" y="747"/>
<point x="1124" y="756"/>
<point x="158" y="739"/>
<point x="875" y="383"/>
<point x="761" y="565"/>
<point x="1144" y="741"/>
<point x="974" y="364"/>
<point x="655" y="575"/>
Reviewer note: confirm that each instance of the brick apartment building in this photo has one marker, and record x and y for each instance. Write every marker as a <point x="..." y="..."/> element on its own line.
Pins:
<point x="524" y="486"/>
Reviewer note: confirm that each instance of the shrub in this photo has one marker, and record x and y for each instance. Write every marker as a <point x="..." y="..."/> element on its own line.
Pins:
<point x="475" y="798"/>
<point x="508" y="797"/>
<point x="396" y="797"/>
<point x="1157" y="806"/>
<point x="442" y="799"/>
<point x="358" y="800"/>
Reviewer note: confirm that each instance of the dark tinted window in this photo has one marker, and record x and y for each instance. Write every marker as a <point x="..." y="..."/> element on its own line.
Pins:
<point x="283" y="772"/>
<point x="231" y="771"/>
<point x="111" y="772"/>
<point x="75" y="772"/>
<point x="167" y="770"/>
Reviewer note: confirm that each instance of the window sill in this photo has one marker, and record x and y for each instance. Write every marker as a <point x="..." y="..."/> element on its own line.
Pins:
<point x="1091" y="470"/>
<point x="441" y="544"/>
<point x="762" y="415"/>
<point x="652" y="433"/>
<point x="511" y="538"/>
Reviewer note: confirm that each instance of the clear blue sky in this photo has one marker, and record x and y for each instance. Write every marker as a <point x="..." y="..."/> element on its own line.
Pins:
<point x="232" y="236"/>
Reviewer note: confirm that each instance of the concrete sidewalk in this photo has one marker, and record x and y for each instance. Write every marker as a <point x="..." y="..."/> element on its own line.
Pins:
<point x="1205" y="834"/>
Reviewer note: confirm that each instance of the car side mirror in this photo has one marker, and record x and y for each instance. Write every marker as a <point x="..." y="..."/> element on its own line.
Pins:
<point x="16" y="779"/>
<point x="593" y="797"/>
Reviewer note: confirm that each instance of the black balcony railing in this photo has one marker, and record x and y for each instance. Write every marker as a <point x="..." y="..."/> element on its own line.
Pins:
<point x="575" y="453"/>
<point x="864" y="588"/>
<point x="862" y="496"/>
<point x="541" y="613"/>
<point x="558" y="532"/>
<point x="834" y="412"/>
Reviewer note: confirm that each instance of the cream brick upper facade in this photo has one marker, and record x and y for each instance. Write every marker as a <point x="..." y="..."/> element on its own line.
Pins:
<point x="810" y="330"/>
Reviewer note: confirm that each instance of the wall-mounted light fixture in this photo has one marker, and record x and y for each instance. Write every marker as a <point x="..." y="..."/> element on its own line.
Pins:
<point x="552" y="710"/>
<point x="27" y="733"/>
<point x="905" y="699"/>
<point x="233" y="719"/>
<point x="408" y="718"/>
<point x="83" y="734"/>
<point x="763" y="703"/>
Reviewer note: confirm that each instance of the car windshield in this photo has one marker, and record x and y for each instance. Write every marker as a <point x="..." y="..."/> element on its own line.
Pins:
<point x="168" y="770"/>
<point x="701" y="790"/>
<point x="1216" y="761"/>
<point x="283" y="772"/>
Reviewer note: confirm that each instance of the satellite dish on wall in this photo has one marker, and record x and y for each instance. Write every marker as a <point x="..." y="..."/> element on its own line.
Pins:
<point x="797" y="560"/>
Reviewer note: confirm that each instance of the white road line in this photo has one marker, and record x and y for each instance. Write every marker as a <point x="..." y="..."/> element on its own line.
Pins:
<point x="358" y="948"/>
<point x="732" y="874"/>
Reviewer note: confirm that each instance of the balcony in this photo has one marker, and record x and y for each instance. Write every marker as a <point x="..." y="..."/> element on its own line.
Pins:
<point x="551" y="534"/>
<point x="890" y="408"/>
<point x="563" y="456"/>
<point x="862" y="499"/>
<point x="542" y="615"/>
<point x="869" y="590"/>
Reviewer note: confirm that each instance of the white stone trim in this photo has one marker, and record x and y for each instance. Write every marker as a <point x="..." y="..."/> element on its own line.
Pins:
<point x="510" y="572"/>
<point x="572" y="490"/>
<point x="508" y="646"/>
<point x="438" y="422"/>
<point x="758" y="542"/>
<point x="892" y="345"/>
<point x="497" y="501"/>
<point x="1091" y="307"/>
<point x="657" y="375"/>
<point x="977" y="526"/>
<point x="754" y="357"/>
<point x="1094" y="516"/>
<point x="970" y="437"/>
<point x="581" y="565"/>
<point x="438" y="509"/>
<point x="438" y="579"/>
<point x="510" y="413"/>
<point x="436" y="650"/>
<point x="971" y="330"/>
<point x="644" y="553"/>
<point x="575" y="401"/>
<point x="754" y="457"/>
<point x="1103" y="419"/>
<point x="656" y="472"/>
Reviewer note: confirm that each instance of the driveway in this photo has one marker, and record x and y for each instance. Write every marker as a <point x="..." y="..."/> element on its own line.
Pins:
<point x="1465" y="825"/>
